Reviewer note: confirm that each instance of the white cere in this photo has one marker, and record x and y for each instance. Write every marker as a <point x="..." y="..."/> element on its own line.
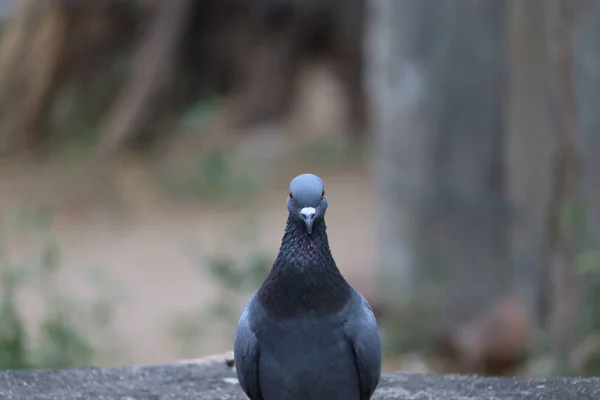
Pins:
<point x="308" y="211"/>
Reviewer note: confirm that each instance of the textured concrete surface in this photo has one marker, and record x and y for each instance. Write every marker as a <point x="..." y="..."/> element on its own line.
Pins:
<point x="213" y="379"/>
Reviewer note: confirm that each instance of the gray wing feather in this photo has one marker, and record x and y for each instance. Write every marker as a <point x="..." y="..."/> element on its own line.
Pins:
<point x="363" y="333"/>
<point x="245" y="350"/>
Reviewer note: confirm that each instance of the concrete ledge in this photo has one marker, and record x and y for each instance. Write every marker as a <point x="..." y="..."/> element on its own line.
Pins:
<point x="212" y="379"/>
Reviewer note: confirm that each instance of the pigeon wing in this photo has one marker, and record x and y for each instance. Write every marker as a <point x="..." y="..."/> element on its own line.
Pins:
<point x="362" y="332"/>
<point x="245" y="349"/>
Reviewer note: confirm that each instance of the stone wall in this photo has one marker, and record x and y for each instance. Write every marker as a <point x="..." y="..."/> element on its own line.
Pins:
<point x="213" y="379"/>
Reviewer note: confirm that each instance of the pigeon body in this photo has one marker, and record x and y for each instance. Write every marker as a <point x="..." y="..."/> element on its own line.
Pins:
<point x="306" y="333"/>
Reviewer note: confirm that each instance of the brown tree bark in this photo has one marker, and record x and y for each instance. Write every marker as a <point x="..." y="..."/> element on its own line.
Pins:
<point x="564" y="241"/>
<point x="47" y="45"/>
<point x="31" y="58"/>
<point x="439" y="78"/>
<point x="155" y="61"/>
<point x="529" y="178"/>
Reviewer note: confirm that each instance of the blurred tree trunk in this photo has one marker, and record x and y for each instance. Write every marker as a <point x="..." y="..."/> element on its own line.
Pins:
<point x="565" y="231"/>
<point x="586" y="50"/>
<point x="155" y="63"/>
<point x="555" y="84"/>
<point x="400" y="99"/>
<point x="439" y="78"/>
<point x="587" y="87"/>
<point x="45" y="45"/>
<point x="452" y="155"/>
<point x="466" y="217"/>
<point x="33" y="49"/>
<point x="529" y="177"/>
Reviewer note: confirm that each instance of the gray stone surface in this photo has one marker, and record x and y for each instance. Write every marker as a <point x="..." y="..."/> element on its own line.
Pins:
<point x="214" y="380"/>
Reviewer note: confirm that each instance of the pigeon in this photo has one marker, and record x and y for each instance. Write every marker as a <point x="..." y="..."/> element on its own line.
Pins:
<point x="306" y="334"/>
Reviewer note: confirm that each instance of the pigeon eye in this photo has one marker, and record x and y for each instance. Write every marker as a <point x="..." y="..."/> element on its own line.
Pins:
<point x="323" y="193"/>
<point x="290" y="194"/>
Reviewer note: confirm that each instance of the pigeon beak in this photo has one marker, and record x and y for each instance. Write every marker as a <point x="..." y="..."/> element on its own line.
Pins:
<point x="309" y="214"/>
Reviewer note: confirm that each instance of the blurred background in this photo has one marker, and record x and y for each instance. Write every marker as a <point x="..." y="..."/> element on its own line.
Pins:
<point x="146" y="148"/>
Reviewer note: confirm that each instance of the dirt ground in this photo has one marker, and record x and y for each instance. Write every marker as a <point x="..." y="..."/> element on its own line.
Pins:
<point x="146" y="261"/>
<point x="141" y="247"/>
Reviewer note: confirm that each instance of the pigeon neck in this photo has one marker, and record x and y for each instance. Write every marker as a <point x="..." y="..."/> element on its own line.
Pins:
<point x="304" y="277"/>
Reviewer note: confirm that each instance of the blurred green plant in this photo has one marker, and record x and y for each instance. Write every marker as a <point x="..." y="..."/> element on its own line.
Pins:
<point x="230" y="173"/>
<point x="236" y="277"/>
<point x="411" y="327"/>
<point x="199" y="114"/>
<point x="76" y="114"/>
<point x="330" y="152"/>
<point x="215" y="176"/>
<point x="588" y="265"/>
<point x="62" y="336"/>
<point x="572" y="217"/>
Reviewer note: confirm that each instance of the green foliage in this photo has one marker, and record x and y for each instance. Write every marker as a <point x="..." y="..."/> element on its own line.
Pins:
<point x="199" y="114"/>
<point x="76" y="113"/>
<point x="13" y="348"/>
<point x="412" y="326"/>
<point x="240" y="276"/>
<point x="215" y="176"/>
<point x="186" y="330"/>
<point x="588" y="265"/>
<point x="332" y="152"/>
<point x="588" y="262"/>
<point x="236" y="277"/>
<point x="572" y="219"/>
<point x="60" y="337"/>
<point x="216" y="173"/>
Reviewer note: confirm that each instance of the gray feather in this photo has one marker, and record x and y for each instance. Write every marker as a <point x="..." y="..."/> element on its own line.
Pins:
<point x="246" y="357"/>
<point x="363" y="333"/>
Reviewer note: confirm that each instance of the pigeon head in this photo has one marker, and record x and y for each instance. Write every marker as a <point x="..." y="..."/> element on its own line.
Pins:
<point x="304" y="277"/>
<point x="307" y="201"/>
